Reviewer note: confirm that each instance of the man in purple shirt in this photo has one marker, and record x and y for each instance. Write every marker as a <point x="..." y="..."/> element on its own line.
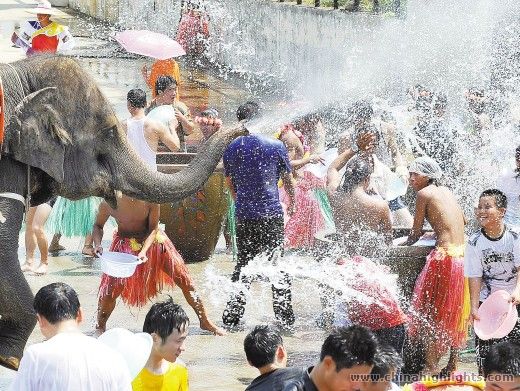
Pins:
<point x="254" y="164"/>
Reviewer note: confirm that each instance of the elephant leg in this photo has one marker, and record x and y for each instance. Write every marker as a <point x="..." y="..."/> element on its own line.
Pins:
<point x="17" y="317"/>
<point x="16" y="300"/>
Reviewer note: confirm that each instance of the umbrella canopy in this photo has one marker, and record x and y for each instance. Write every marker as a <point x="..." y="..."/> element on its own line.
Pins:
<point x="149" y="43"/>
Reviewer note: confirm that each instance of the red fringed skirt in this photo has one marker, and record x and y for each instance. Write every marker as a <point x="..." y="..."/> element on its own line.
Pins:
<point x="441" y="298"/>
<point x="165" y="266"/>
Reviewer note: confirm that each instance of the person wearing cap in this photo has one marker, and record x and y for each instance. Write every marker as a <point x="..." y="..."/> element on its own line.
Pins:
<point x="492" y="263"/>
<point x="441" y="297"/>
<point x="45" y="36"/>
<point x="68" y="359"/>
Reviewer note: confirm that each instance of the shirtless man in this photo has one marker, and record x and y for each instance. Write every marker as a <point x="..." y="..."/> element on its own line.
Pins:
<point x="355" y="211"/>
<point x="138" y="233"/>
<point x="439" y="290"/>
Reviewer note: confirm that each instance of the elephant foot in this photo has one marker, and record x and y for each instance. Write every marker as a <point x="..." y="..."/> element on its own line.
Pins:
<point x="10" y="362"/>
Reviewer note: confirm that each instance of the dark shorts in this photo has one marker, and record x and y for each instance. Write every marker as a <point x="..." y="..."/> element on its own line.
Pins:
<point x="396" y="204"/>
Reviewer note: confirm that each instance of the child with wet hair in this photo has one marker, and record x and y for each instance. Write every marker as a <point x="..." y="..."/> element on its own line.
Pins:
<point x="167" y="323"/>
<point x="491" y="263"/>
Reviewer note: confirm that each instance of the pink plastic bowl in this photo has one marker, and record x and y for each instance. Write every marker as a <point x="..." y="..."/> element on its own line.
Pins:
<point x="497" y="316"/>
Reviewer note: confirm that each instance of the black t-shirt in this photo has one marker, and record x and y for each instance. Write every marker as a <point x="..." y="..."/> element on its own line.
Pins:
<point x="276" y="380"/>
<point x="303" y="383"/>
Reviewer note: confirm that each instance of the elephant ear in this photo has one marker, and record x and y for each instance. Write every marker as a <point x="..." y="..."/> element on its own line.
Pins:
<point x="39" y="138"/>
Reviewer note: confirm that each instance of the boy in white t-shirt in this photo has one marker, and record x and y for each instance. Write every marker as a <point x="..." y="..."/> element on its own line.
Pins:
<point x="492" y="262"/>
<point x="68" y="359"/>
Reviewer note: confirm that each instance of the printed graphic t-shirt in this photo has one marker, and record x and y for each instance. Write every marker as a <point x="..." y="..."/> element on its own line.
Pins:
<point x="495" y="260"/>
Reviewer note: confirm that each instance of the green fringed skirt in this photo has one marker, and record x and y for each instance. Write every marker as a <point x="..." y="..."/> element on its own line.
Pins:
<point x="73" y="218"/>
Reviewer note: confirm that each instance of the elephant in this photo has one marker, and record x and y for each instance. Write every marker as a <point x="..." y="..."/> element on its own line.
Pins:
<point x="62" y="137"/>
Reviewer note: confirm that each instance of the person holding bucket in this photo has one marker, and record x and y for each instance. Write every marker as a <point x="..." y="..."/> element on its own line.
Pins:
<point x="138" y="233"/>
<point x="492" y="262"/>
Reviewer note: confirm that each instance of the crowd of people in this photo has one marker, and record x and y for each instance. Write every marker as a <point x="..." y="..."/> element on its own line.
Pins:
<point x="286" y="190"/>
<point x="352" y="358"/>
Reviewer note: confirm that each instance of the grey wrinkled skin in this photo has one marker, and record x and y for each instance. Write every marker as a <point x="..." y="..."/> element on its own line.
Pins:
<point x="59" y="123"/>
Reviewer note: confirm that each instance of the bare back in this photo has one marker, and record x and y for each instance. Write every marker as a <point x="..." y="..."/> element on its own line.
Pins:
<point x="441" y="209"/>
<point x="359" y="217"/>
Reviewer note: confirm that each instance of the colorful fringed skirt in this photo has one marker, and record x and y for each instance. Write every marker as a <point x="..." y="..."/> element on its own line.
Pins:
<point x="165" y="266"/>
<point x="73" y="218"/>
<point x="441" y="298"/>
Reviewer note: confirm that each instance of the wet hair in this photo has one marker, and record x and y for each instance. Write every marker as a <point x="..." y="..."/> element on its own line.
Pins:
<point x="476" y="91"/>
<point x="504" y="359"/>
<point x="137" y="98"/>
<point x="385" y="361"/>
<point x="164" y="317"/>
<point x="362" y="109"/>
<point x="248" y="111"/>
<point x="500" y="197"/>
<point x="57" y="302"/>
<point x="307" y="120"/>
<point x="356" y="171"/>
<point x="350" y="346"/>
<point x="260" y="345"/>
<point x="163" y="82"/>
<point x="440" y="101"/>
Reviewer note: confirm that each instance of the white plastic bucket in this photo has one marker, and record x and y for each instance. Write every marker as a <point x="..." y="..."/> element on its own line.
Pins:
<point x="119" y="265"/>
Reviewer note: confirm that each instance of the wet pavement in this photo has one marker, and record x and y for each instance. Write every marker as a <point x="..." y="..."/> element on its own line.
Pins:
<point x="215" y="363"/>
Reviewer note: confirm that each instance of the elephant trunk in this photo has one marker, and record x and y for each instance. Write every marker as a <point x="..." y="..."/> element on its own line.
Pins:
<point x="135" y="178"/>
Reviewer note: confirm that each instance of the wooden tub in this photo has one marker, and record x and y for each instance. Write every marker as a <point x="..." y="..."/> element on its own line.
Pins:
<point x="194" y="224"/>
<point x="405" y="261"/>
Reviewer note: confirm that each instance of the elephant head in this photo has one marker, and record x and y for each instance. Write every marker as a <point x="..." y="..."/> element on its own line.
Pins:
<point x="66" y="128"/>
<point x="62" y="135"/>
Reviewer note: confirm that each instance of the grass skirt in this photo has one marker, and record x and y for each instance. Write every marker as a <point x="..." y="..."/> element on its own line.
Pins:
<point x="441" y="298"/>
<point x="73" y="218"/>
<point x="164" y="266"/>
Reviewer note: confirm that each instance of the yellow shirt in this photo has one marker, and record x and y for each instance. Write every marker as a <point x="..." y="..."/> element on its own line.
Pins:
<point x="174" y="379"/>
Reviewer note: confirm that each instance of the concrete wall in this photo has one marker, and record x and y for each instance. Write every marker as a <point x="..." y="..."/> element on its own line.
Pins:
<point x="259" y="37"/>
<point x="332" y="54"/>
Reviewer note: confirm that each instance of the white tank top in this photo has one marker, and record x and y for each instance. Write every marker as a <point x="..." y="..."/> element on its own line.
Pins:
<point x="135" y="134"/>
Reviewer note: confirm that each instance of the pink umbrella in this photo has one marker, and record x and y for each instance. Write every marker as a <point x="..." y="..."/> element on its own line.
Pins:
<point x="149" y="43"/>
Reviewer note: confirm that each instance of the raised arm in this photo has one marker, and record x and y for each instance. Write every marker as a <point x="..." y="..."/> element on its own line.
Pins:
<point x="333" y="175"/>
